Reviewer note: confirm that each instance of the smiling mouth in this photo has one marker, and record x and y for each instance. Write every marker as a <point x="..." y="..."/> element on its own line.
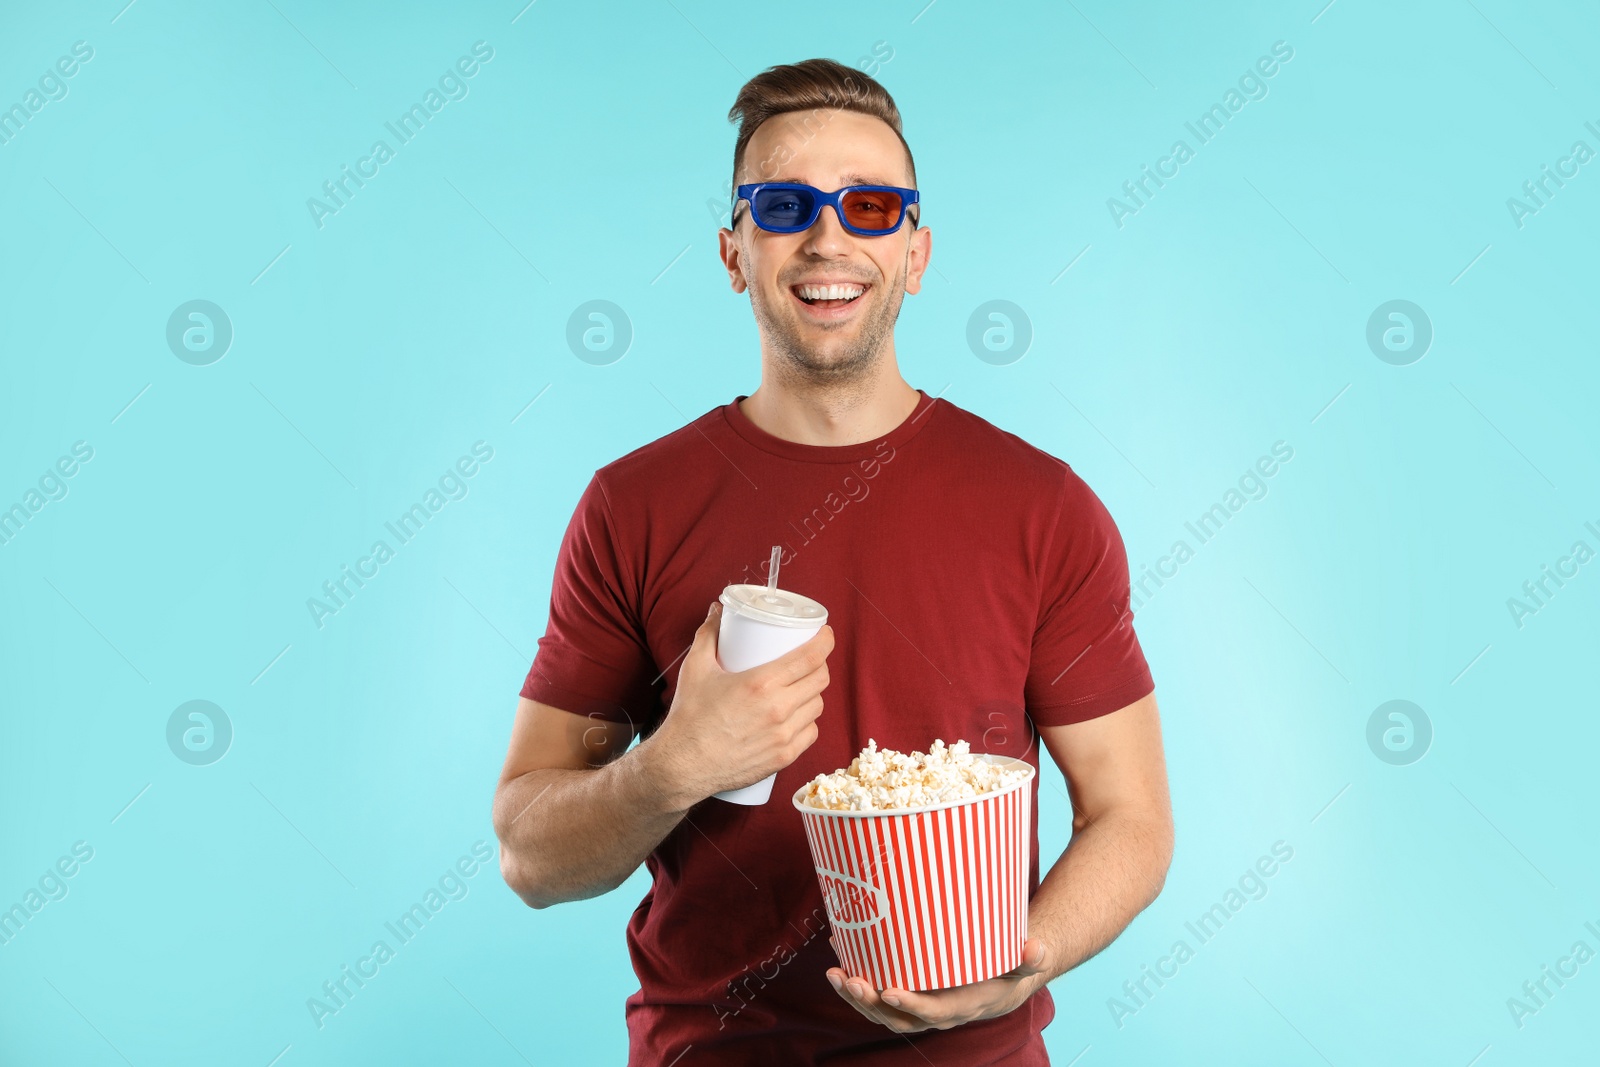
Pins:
<point x="829" y="297"/>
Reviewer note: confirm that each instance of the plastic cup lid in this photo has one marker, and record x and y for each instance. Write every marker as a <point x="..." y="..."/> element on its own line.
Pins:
<point x="775" y="606"/>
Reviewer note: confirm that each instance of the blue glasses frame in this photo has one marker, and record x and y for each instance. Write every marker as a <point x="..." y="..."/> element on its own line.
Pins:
<point x="820" y="200"/>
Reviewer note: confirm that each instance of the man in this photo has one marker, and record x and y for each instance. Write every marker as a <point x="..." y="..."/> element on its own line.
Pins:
<point x="976" y="588"/>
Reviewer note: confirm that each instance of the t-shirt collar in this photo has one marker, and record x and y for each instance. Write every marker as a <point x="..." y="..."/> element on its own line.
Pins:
<point x="897" y="437"/>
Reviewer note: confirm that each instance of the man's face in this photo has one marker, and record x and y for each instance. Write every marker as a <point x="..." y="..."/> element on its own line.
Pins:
<point x="825" y="340"/>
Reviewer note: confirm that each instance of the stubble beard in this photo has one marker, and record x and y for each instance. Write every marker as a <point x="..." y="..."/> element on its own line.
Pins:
<point x="802" y="362"/>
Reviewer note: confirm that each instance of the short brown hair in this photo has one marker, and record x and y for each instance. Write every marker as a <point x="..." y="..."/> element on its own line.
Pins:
<point x="803" y="86"/>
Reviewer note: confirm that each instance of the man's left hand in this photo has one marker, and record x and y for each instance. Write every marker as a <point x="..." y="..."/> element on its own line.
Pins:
<point x="906" y="1012"/>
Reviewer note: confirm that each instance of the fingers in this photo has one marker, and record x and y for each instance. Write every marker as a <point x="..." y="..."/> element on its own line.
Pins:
<point x="802" y="714"/>
<point x="802" y="740"/>
<point x="811" y="710"/>
<point x="802" y="687"/>
<point x="1035" y="959"/>
<point x="803" y="660"/>
<point x="823" y="637"/>
<point x="925" y="1009"/>
<point x="858" y="993"/>
<point x="705" y="635"/>
<point x="810" y="686"/>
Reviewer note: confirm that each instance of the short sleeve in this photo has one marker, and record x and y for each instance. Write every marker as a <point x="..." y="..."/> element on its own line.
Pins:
<point x="593" y="659"/>
<point x="1086" y="658"/>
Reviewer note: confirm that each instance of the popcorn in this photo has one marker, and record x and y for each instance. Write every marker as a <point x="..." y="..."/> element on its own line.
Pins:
<point x="883" y="778"/>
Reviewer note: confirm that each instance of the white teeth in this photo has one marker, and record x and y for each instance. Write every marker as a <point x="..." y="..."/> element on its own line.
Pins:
<point x="830" y="292"/>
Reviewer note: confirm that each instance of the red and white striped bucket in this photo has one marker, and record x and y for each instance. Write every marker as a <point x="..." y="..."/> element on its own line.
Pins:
<point x="927" y="898"/>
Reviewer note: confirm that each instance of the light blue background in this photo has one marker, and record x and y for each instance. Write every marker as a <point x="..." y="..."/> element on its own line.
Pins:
<point x="1228" y="314"/>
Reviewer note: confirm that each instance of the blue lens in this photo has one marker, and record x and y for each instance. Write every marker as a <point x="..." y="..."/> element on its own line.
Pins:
<point x="784" y="207"/>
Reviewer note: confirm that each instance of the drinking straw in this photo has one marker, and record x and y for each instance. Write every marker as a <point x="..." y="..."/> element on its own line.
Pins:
<point x="772" y="571"/>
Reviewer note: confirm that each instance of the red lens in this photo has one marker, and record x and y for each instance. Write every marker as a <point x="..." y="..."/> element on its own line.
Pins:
<point x="871" y="209"/>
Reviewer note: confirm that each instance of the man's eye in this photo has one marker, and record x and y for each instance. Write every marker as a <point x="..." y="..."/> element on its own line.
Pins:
<point x="868" y="205"/>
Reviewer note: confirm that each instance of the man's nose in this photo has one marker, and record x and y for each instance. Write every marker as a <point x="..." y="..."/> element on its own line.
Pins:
<point x="827" y="235"/>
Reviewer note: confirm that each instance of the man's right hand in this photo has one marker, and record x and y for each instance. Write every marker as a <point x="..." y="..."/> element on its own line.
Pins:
<point x="728" y="730"/>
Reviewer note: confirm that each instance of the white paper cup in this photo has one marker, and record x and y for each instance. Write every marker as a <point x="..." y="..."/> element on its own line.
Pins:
<point x="927" y="898"/>
<point x="759" y="625"/>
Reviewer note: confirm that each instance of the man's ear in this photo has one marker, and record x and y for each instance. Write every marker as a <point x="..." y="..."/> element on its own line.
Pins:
<point x="918" y="249"/>
<point x="731" y="250"/>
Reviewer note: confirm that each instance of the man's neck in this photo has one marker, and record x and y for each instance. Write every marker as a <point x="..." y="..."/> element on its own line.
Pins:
<point x="830" y="415"/>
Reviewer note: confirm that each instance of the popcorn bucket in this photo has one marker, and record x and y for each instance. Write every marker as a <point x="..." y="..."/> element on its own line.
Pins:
<point x="927" y="898"/>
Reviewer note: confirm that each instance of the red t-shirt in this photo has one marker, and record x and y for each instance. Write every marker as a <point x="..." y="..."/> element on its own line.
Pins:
<point x="973" y="583"/>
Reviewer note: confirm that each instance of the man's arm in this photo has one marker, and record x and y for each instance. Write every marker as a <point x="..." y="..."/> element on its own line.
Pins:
<point x="1121" y="847"/>
<point x="574" y="819"/>
<point x="1112" y="869"/>
<point x="577" y="811"/>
